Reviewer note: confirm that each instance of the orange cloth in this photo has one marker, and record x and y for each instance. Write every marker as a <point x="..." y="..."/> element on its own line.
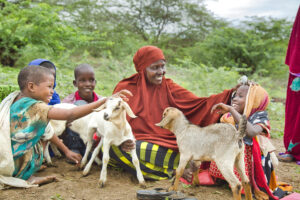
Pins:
<point x="149" y="101"/>
<point x="257" y="100"/>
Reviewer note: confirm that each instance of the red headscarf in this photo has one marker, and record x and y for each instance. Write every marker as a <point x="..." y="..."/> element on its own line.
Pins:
<point x="293" y="53"/>
<point x="149" y="101"/>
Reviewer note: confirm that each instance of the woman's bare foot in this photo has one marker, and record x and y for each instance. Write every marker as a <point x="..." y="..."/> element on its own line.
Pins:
<point x="42" y="180"/>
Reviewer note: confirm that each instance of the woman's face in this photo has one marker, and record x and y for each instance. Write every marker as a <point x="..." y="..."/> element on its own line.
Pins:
<point x="155" y="72"/>
<point x="239" y="99"/>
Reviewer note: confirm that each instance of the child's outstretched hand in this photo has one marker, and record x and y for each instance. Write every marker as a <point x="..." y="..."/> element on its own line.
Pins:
<point x="123" y="94"/>
<point x="74" y="157"/>
<point x="221" y="108"/>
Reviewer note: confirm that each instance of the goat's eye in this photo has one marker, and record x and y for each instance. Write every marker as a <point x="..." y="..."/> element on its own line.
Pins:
<point x="117" y="108"/>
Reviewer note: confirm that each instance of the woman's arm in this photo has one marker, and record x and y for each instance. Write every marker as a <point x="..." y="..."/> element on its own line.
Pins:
<point x="251" y="130"/>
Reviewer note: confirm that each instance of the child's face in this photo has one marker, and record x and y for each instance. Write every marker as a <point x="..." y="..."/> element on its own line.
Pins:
<point x="239" y="99"/>
<point x="85" y="82"/>
<point x="44" y="90"/>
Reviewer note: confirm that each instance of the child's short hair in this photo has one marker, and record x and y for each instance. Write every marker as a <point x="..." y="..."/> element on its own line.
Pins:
<point x="33" y="73"/>
<point x="81" y="68"/>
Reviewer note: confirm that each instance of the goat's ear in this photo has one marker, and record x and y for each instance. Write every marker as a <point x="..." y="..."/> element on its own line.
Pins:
<point x="166" y="123"/>
<point x="102" y="107"/>
<point x="128" y="110"/>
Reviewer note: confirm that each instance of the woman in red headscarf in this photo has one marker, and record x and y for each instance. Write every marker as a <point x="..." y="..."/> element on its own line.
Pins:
<point x="292" y="106"/>
<point x="152" y="93"/>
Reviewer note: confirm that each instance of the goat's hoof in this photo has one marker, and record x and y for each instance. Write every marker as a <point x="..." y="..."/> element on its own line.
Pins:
<point x="81" y="167"/>
<point x="143" y="185"/>
<point x="85" y="173"/>
<point x="101" y="184"/>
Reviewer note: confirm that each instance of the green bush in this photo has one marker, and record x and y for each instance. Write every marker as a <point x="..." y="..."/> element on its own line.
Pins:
<point x="35" y="30"/>
<point x="5" y="90"/>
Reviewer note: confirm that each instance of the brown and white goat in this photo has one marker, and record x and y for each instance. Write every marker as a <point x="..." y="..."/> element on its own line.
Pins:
<point x="219" y="142"/>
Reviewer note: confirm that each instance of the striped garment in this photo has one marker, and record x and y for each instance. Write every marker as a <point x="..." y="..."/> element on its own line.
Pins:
<point x="157" y="162"/>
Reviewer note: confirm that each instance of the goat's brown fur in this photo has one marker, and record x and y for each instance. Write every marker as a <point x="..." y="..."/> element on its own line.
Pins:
<point x="218" y="142"/>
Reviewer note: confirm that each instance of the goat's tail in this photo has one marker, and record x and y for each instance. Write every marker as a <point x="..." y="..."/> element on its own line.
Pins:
<point x="242" y="126"/>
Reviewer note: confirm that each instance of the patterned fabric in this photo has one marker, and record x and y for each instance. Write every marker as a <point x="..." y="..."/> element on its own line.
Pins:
<point x="28" y="121"/>
<point x="215" y="172"/>
<point x="156" y="162"/>
<point x="262" y="177"/>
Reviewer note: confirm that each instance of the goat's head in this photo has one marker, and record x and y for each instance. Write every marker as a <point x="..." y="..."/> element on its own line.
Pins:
<point x="113" y="107"/>
<point x="169" y="115"/>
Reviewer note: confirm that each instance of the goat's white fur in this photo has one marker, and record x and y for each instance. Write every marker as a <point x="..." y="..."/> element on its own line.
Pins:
<point x="109" y="122"/>
<point x="111" y="125"/>
<point x="79" y="126"/>
<point x="218" y="142"/>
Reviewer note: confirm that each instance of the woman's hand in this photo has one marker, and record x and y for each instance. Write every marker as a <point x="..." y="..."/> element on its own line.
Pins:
<point x="123" y="94"/>
<point x="73" y="156"/>
<point x="128" y="145"/>
<point x="221" y="108"/>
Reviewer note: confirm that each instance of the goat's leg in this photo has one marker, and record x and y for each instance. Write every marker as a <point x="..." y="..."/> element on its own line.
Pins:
<point x="240" y="166"/>
<point x="136" y="163"/>
<point x="226" y="168"/>
<point x="195" y="173"/>
<point x="105" y="160"/>
<point x="89" y="145"/>
<point x="55" y="150"/>
<point x="179" y="171"/>
<point x="47" y="154"/>
<point x="98" y="161"/>
<point x="94" y="155"/>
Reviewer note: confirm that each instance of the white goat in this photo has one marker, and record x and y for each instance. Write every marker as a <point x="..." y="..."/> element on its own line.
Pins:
<point x="79" y="126"/>
<point x="109" y="121"/>
<point x="218" y="142"/>
<point x="111" y="125"/>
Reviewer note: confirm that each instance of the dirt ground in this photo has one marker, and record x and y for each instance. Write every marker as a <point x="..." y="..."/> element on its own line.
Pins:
<point x="121" y="185"/>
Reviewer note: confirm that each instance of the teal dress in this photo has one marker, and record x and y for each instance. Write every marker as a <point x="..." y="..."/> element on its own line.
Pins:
<point x="28" y="121"/>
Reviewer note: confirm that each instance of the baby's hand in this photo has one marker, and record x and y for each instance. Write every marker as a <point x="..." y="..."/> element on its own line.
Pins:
<point x="221" y="108"/>
<point x="123" y="94"/>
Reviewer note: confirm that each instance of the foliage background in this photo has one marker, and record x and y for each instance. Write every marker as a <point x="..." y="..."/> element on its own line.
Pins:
<point x="205" y="54"/>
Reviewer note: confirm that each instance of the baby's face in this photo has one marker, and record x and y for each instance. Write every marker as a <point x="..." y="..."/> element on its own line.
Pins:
<point x="85" y="82"/>
<point x="239" y="99"/>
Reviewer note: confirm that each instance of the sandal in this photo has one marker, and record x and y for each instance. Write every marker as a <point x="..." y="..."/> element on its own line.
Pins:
<point x="161" y="194"/>
<point x="285" y="157"/>
<point x="156" y="193"/>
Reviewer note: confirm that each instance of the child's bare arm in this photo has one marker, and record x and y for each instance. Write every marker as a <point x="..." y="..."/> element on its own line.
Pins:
<point x="80" y="111"/>
<point x="251" y="130"/>
<point x="68" y="153"/>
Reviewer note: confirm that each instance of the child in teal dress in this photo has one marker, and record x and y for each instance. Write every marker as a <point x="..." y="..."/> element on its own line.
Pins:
<point x="29" y="115"/>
